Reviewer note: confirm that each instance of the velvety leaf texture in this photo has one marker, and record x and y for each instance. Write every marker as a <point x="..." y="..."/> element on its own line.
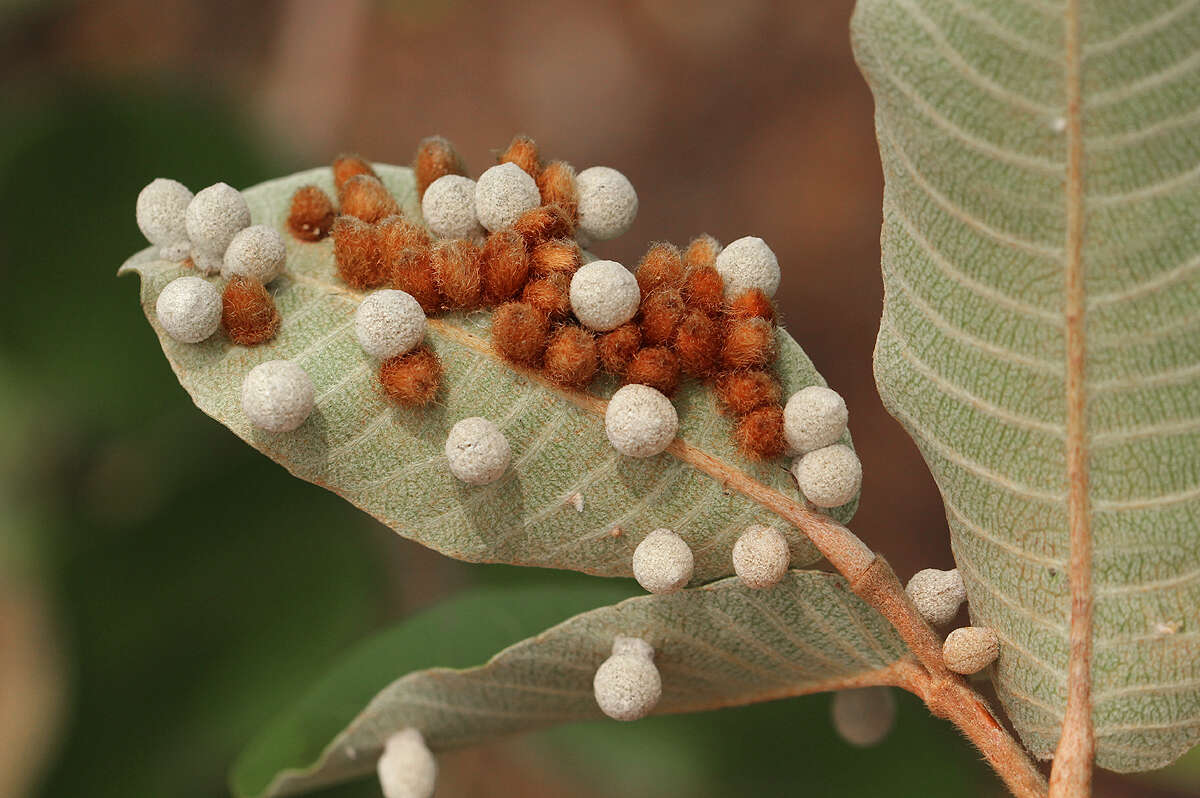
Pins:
<point x="716" y="646"/>
<point x="975" y="132"/>
<point x="389" y="460"/>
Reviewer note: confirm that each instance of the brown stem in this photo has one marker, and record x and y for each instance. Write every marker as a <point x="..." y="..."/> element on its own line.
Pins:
<point x="952" y="699"/>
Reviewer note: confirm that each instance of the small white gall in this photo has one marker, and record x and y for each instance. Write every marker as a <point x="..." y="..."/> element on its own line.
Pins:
<point x="663" y="562"/>
<point x="970" y="649"/>
<point x="189" y="309"/>
<point x="748" y="263"/>
<point x="214" y="216"/>
<point x="407" y="768"/>
<point x="814" y="417"/>
<point x="277" y="396"/>
<point x="627" y="685"/>
<point x="161" y="208"/>
<point x="607" y="203"/>
<point x="829" y="476"/>
<point x="478" y="451"/>
<point x="761" y="556"/>
<point x="604" y="295"/>
<point x="640" y="421"/>
<point x="257" y="252"/>
<point x="389" y="323"/>
<point x="502" y="194"/>
<point x="864" y="716"/>
<point x="937" y="594"/>
<point x="449" y="207"/>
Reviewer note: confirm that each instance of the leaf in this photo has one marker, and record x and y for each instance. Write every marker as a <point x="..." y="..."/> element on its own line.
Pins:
<point x="716" y="646"/>
<point x="389" y="461"/>
<point x="986" y="224"/>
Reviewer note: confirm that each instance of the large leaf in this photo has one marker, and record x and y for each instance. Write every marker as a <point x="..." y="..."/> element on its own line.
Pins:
<point x="716" y="646"/>
<point x="979" y="244"/>
<point x="389" y="461"/>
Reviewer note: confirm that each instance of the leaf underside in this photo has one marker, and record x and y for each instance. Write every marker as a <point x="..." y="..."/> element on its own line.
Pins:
<point x="721" y="645"/>
<point x="971" y="358"/>
<point x="389" y="460"/>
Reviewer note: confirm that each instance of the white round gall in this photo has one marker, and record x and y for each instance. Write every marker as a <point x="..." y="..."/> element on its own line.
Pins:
<point x="478" y="451"/>
<point x="761" y="556"/>
<point x="627" y="685"/>
<point x="604" y="295"/>
<point x="814" y="417"/>
<point x="502" y="194"/>
<point x="161" y="207"/>
<point x="829" y="476"/>
<point x="214" y="216"/>
<point x="663" y="562"/>
<point x="189" y="309"/>
<point x="407" y="768"/>
<point x="607" y="203"/>
<point x="257" y="252"/>
<point x="449" y="207"/>
<point x="389" y="323"/>
<point x="937" y="594"/>
<point x="748" y="263"/>
<point x="277" y="396"/>
<point x="970" y="649"/>
<point x="640" y="421"/>
<point x="863" y="717"/>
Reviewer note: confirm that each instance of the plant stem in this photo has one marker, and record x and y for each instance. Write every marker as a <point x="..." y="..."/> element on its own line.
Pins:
<point x="947" y="694"/>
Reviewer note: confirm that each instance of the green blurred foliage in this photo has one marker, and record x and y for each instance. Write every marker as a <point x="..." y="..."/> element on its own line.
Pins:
<point x="198" y="587"/>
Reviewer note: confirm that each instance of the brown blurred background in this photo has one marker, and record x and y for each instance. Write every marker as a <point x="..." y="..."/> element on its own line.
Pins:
<point x="732" y="118"/>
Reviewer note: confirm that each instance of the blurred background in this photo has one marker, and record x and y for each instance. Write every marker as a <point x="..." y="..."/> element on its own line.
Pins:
<point x="165" y="590"/>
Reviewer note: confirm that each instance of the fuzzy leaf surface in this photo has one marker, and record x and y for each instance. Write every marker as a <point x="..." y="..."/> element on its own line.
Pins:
<point x="389" y="460"/>
<point x="716" y="646"/>
<point x="975" y="133"/>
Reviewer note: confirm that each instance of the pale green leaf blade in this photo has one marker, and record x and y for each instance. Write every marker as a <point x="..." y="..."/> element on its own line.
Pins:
<point x="389" y="461"/>
<point x="972" y="123"/>
<point x="721" y="645"/>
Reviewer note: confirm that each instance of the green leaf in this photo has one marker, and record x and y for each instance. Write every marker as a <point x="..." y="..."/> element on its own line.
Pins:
<point x="389" y="461"/>
<point x="978" y="247"/>
<point x="716" y="646"/>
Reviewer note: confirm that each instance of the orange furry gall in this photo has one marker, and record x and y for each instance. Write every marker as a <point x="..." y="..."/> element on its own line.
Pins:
<point x="559" y="255"/>
<point x="366" y="197"/>
<point x="543" y="223"/>
<point x="740" y="392"/>
<point x="557" y="186"/>
<point x="701" y="252"/>
<point x="519" y="332"/>
<point x="457" y="273"/>
<point x="397" y="234"/>
<point x="660" y="267"/>
<point x="753" y="304"/>
<point x="703" y="289"/>
<point x="570" y="358"/>
<point x="749" y="343"/>
<point x="759" y="433"/>
<point x="549" y="294"/>
<point x="504" y="264"/>
<point x="248" y="312"/>
<point x="436" y="157"/>
<point x="346" y="167"/>
<point x="356" y="253"/>
<point x="617" y="348"/>
<point x="523" y="151"/>
<point x="413" y="378"/>
<point x="657" y="367"/>
<point x="697" y="343"/>
<point x="411" y="270"/>
<point x="661" y="313"/>
<point x="312" y="214"/>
